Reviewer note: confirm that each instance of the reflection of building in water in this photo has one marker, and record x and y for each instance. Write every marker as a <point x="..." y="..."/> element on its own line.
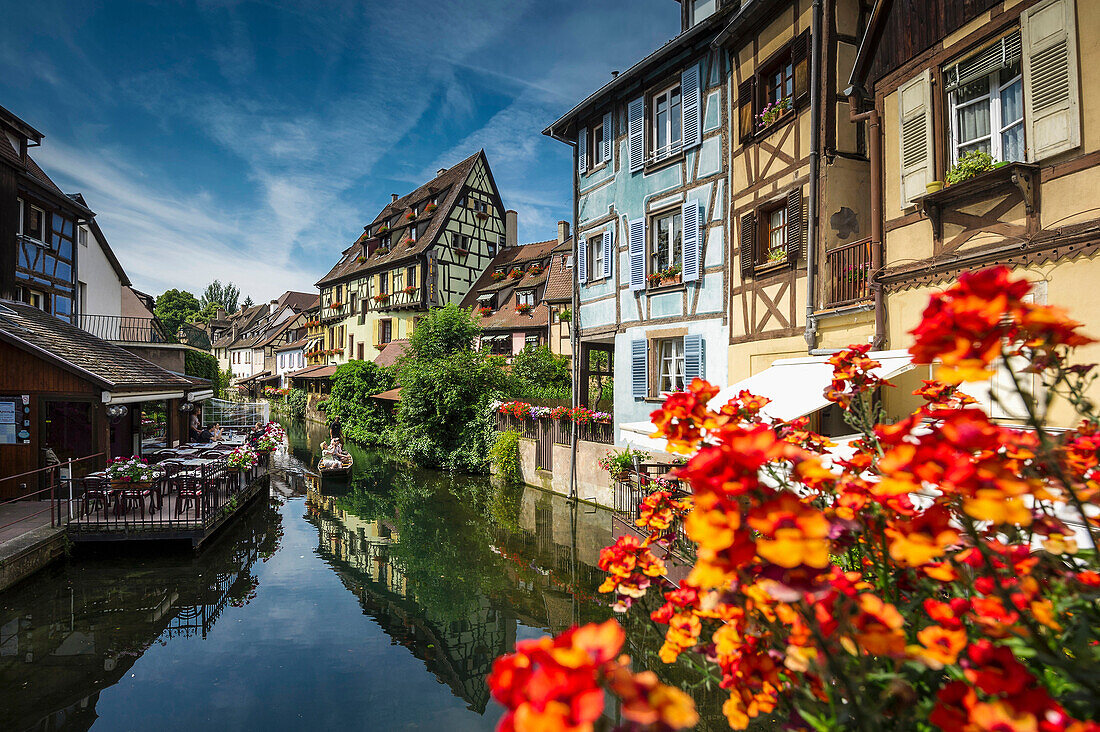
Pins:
<point x="458" y="651"/>
<point x="61" y="644"/>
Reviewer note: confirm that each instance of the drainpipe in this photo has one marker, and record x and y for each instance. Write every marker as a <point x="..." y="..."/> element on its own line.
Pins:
<point x="874" y="151"/>
<point x="815" y="164"/>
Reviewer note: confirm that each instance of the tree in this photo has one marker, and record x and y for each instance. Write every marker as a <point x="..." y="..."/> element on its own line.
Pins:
<point x="175" y="307"/>
<point x="247" y="303"/>
<point x="537" y="366"/>
<point x="362" y="418"/>
<point x="219" y="295"/>
<point x="443" y="332"/>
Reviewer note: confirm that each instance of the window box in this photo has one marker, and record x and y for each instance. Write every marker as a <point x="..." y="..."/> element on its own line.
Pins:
<point x="483" y="215"/>
<point x="534" y="269"/>
<point x="383" y="230"/>
<point x="409" y="290"/>
<point x="515" y="274"/>
<point x="484" y="310"/>
<point x="1022" y="177"/>
<point x="382" y="297"/>
<point x="382" y="251"/>
<point x="461" y="253"/>
<point x="523" y="308"/>
<point x="410" y="215"/>
<point x="430" y="208"/>
<point x="497" y="276"/>
<point x="659" y="280"/>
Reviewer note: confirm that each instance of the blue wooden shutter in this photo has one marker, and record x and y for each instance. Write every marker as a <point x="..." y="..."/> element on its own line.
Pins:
<point x="636" y="244"/>
<point x="694" y="358"/>
<point x="582" y="260"/>
<point x="582" y="150"/>
<point x="608" y="137"/>
<point x="639" y="369"/>
<point x="691" y="240"/>
<point x="636" y="128"/>
<point x="609" y="253"/>
<point x="691" y="107"/>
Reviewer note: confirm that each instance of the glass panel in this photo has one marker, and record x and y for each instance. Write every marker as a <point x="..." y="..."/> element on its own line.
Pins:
<point x="788" y="88"/>
<point x="983" y="146"/>
<point x="1012" y="142"/>
<point x="972" y="90"/>
<point x="1012" y="103"/>
<point x="677" y="244"/>
<point x="662" y="121"/>
<point x="660" y="253"/>
<point x="973" y="122"/>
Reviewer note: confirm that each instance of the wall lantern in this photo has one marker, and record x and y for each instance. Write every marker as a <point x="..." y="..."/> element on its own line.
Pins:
<point x="115" y="411"/>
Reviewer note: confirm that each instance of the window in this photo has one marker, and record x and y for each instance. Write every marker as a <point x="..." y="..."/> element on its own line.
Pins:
<point x="774" y="235"/>
<point x="701" y="10"/>
<point x="460" y="242"/>
<point x="34" y="223"/>
<point x="384" y="283"/>
<point x="595" y="257"/>
<point x="410" y="275"/>
<point x="398" y="280"/>
<point x="385" y="331"/>
<point x="359" y="353"/>
<point x="531" y="340"/>
<point x="666" y="247"/>
<point x="82" y="235"/>
<point x="780" y="83"/>
<point x="782" y="80"/>
<point x="670" y="365"/>
<point x="595" y="145"/>
<point x="481" y="206"/>
<point x="666" y="122"/>
<point x="525" y="297"/>
<point x="351" y="345"/>
<point x="986" y="99"/>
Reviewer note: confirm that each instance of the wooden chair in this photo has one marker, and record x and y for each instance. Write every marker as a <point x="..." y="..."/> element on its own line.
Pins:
<point x="96" y="495"/>
<point x="189" y="494"/>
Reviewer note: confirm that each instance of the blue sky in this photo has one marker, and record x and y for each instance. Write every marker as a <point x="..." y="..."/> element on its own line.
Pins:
<point x="251" y="141"/>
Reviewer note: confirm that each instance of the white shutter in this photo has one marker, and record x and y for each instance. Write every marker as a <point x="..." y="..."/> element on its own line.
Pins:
<point x="635" y="116"/>
<point x="636" y="246"/>
<point x="1051" y="115"/>
<point x="639" y="369"/>
<point x="691" y="106"/>
<point x="608" y="137"/>
<point x="582" y="150"/>
<point x="694" y="358"/>
<point x="582" y="260"/>
<point x="915" y="128"/>
<point x="609" y="253"/>
<point x="690" y="215"/>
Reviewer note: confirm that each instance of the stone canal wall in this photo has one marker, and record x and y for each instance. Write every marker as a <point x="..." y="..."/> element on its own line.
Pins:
<point x="26" y="554"/>
<point x="593" y="483"/>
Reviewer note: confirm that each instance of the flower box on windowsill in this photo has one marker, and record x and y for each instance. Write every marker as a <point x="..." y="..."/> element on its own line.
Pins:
<point x="461" y="252"/>
<point x="1021" y="177"/>
<point x="524" y="308"/>
<point x="430" y="208"/>
<point x="409" y="290"/>
<point x="410" y="215"/>
<point x="657" y="283"/>
<point x="382" y="298"/>
<point x="483" y="215"/>
<point x="484" y="311"/>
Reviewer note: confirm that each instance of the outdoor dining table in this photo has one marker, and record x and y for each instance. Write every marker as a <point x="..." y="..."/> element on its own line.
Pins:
<point x="117" y="487"/>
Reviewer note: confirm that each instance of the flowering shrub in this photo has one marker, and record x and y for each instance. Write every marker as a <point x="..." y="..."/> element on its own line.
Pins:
<point x="272" y="438"/>
<point x="242" y="458"/>
<point x="930" y="577"/>
<point x="131" y="470"/>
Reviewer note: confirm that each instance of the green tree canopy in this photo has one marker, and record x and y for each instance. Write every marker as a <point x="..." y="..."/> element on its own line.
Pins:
<point x="175" y="307"/>
<point x="247" y="303"/>
<point x="216" y="295"/>
<point x="442" y="332"/>
<point x="537" y="366"/>
<point x="362" y="418"/>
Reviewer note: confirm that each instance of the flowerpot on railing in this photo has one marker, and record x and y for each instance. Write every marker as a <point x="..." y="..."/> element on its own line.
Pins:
<point x="934" y="186"/>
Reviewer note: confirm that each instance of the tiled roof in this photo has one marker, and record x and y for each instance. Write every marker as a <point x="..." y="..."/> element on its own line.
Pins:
<point x="75" y="349"/>
<point x="447" y="184"/>
<point x="505" y="317"/>
<point x="299" y="301"/>
<point x="559" y="278"/>
<point x="392" y="351"/>
<point x="300" y="343"/>
<point x="390" y="395"/>
<point x="315" y="372"/>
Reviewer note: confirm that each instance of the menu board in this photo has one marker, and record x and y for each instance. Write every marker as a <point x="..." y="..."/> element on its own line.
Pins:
<point x="10" y="410"/>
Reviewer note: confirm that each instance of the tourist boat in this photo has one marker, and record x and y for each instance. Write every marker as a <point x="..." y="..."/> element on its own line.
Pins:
<point x="332" y="471"/>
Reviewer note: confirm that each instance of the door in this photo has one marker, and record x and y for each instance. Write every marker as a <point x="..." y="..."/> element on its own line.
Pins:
<point x="69" y="429"/>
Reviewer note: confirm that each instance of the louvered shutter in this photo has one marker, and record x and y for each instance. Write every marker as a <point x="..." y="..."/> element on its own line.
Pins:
<point x="746" y="115"/>
<point x="691" y="106"/>
<point x="794" y="227"/>
<point x="1051" y="114"/>
<point x="691" y="238"/>
<point x="639" y="369"/>
<point x="636" y="245"/>
<point x="748" y="245"/>
<point x="582" y="150"/>
<point x="800" y="59"/>
<point x="608" y="137"/>
<point x="915" y="125"/>
<point x="635" y="115"/>
<point x="694" y="358"/>
<point x="582" y="260"/>
<point x="609" y="253"/>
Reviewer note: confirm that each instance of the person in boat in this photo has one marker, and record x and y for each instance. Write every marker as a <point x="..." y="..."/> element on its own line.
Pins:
<point x="335" y="431"/>
<point x="329" y="459"/>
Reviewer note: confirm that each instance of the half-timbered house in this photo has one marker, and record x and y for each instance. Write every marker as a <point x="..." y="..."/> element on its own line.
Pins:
<point x="935" y="80"/>
<point x="650" y="159"/>
<point x="425" y="249"/>
<point x="798" y="177"/>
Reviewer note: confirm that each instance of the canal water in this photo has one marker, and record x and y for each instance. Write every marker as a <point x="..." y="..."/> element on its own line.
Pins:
<point x="379" y="603"/>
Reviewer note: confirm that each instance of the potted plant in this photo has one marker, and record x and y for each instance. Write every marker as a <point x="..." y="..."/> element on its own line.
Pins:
<point x="483" y="215"/>
<point x="565" y="315"/>
<point x="430" y="208"/>
<point x="134" y="471"/>
<point x="777" y="255"/>
<point x="336" y="305"/>
<point x="484" y="310"/>
<point x="773" y="111"/>
<point x="383" y="230"/>
<point x="408" y="241"/>
<point x="534" y="269"/>
<point x="516" y="273"/>
<point x="667" y="276"/>
<point x="523" y="308"/>
<point x="936" y="185"/>
<point x="497" y="276"/>
<point x="969" y="165"/>
<point x="618" y="464"/>
<point x="360" y="259"/>
<point x="242" y="458"/>
<point x="409" y="289"/>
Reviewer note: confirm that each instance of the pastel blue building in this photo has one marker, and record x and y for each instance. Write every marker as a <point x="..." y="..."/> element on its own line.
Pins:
<point x="651" y="150"/>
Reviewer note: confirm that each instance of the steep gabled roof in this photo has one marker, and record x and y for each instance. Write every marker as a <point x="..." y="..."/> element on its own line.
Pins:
<point x="446" y="187"/>
<point x="559" y="278"/>
<point x="76" y="350"/>
<point x="299" y="301"/>
<point x="505" y="316"/>
<point x="104" y="245"/>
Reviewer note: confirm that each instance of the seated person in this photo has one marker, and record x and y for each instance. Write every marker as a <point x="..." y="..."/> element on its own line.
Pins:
<point x="256" y="433"/>
<point x="216" y="433"/>
<point x="205" y="437"/>
<point x="194" y="434"/>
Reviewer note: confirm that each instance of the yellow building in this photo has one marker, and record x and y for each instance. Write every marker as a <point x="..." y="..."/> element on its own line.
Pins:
<point x="1021" y="82"/>
<point x="425" y="249"/>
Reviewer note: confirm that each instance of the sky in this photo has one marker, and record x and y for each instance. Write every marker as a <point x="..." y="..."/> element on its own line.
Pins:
<point x="252" y="141"/>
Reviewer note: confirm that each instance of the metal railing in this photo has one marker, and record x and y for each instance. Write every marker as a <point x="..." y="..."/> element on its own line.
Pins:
<point x="126" y="328"/>
<point x="51" y="493"/>
<point x="633" y="486"/>
<point x="848" y="274"/>
<point x="561" y="430"/>
<point x="193" y="336"/>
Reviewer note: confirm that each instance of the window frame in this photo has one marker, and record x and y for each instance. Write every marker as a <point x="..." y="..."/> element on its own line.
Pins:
<point x="764" y="246"/>
<point x="596" y="252"/>
<point x="675" y="213"/>
<point x="655" y="155"/>
<point x="595" y="149"/>
<point x="674" y="358"/>
<point x="753" y="92"/>
<point x="997" y="128"/>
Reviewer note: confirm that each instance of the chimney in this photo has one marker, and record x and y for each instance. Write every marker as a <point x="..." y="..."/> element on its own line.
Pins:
<point x="440" y="172"/>
<point x="393" y="198"/>
<point x="511" y="228"/>
<point x="563" y="231"/>
<point x="220" y="315"/>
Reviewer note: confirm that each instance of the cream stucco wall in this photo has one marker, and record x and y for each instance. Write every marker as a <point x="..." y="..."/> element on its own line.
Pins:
<point x="100" y="287"/>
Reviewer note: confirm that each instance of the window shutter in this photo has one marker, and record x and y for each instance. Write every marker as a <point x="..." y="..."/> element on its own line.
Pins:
<point x="582" y="150"/>
<point x="915" y="126"/>
<point x="691" y="106"/>
<point x="748" y="245"/>
<point x="608" y="249"/>
<point x="694" y="358"/>
<point x="1050" y="79"/>
<point x="691" y="236"/>
<point x="794" y="227"/>
<point x="608" y="137"/>
<point x="639" y="369"/>
<point x="800" y="59"/>
<point x="746" y="115"/>
<point x="636" y="244"/>
<point x="636" y="128"/>
<point x="582" y="260"/>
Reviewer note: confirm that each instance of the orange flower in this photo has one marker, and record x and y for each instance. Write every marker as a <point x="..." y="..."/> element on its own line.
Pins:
<point x="917" y="541"/>
<point x="646" y="701"/>
<point x="878" y="627"/>
<point x="939" y="646"/>
<point x="792" y="533"/>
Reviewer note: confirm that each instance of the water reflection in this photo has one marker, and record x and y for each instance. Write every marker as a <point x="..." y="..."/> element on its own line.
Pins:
<point x="72" y="632"/>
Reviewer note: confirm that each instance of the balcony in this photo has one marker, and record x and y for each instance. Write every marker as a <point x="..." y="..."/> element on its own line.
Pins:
<point x="847" y="278"/>
<point x="126" y="329"/>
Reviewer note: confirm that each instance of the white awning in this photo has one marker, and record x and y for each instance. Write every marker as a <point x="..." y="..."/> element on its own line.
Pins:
<point x="201" y="395"/>
<point x="486" y="296"/>
<point x="796" y="386"/>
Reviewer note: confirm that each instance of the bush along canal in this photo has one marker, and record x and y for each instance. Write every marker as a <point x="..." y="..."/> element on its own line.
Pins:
<point x="377" y="604"/>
